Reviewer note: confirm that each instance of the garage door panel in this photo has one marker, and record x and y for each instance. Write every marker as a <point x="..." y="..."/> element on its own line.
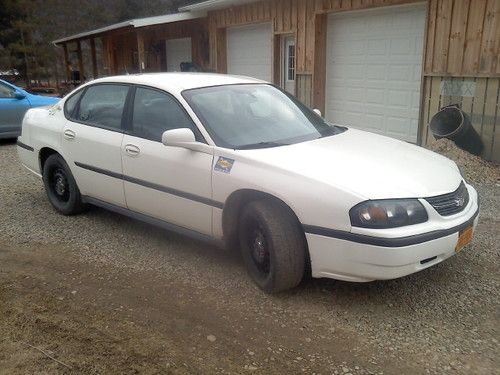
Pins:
<point x="374" y="68"/>
<point x="178" y="51"/>
<point x="249" y="51"/>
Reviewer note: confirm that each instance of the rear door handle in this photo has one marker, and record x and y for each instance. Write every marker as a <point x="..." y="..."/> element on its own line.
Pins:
<point x="69" y="134"/>
<point x="132" y="150"/>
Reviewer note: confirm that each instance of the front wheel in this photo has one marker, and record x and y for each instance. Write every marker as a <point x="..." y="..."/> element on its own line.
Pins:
<point x="273" y="245"/>
<point x="60" y="186"/>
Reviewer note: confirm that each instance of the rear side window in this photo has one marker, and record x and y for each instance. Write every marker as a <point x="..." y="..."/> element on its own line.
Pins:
<point x="155" y="112"/>
<point x="70" y="104"/>
<point x="102" y="106"/>
<point x="6" y="91"/>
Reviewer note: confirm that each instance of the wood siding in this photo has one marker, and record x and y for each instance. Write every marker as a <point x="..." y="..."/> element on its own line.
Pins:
<point x="463" y="38"/>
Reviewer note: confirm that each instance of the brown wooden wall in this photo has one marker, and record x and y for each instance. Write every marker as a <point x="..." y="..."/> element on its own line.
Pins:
<point x="463" y="38"/>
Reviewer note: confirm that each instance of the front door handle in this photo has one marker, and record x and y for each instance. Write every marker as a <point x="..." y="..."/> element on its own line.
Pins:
<point x="69" y="134"/>
<point x="132" y="150"/>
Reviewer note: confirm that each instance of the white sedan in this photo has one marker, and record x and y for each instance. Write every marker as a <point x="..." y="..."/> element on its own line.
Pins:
<point x="239" y="162"/>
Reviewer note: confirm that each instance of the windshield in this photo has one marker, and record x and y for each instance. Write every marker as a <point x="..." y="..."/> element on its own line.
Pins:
<point x="255" y="116"/>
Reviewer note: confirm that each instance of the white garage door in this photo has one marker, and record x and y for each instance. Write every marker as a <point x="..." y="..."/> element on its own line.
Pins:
<point x="374" y="62"/>
<point x="178" y="51"/>
<point x="249" y="51"/>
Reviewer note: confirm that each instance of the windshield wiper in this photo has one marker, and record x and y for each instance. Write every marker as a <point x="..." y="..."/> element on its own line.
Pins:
<point x="333" y="130"/>
<point x="261" y="145"/>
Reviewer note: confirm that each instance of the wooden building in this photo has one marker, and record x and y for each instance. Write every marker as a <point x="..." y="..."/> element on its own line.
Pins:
<point x="386" y="66"/>
<point x="152" y="44"/>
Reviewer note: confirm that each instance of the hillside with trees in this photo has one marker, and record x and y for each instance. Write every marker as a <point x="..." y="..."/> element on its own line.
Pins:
<point x="27" y="28"/>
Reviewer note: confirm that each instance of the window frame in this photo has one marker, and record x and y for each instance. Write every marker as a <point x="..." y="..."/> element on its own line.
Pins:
<point x="129" y="125"/>
<point x="76" y="110"/>
<point x="291" y="60"/>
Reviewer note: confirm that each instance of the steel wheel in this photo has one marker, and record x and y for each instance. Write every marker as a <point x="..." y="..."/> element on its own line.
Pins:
<point x="59" y="185"/>
<point x="258" y="245"/>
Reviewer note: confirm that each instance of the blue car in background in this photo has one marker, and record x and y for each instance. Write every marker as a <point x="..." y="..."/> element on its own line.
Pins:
<point x="14" y="102"/>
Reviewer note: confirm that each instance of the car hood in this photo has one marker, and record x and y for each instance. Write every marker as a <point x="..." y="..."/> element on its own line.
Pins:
<point x="368" y="165"/>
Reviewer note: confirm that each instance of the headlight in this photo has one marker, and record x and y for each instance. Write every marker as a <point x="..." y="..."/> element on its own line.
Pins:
<point x="388" y="213"/>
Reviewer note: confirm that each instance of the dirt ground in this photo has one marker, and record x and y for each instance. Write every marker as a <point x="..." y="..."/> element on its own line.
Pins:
<point x="102" y="294"/>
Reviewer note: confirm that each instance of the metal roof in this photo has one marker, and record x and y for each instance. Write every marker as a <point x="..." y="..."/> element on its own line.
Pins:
<point x="212" y="5"/>
<point x="135" y="23"/>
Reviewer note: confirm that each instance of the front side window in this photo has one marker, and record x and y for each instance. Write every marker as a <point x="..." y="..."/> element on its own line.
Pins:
<point x="156" y="112"/>
<point x="102" y="106"/>
<point x="6" y="91"/>
<point x="255" y="116"/>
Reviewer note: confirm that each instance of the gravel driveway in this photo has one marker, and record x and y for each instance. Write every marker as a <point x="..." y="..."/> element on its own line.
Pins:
<point x="100" y="293"/>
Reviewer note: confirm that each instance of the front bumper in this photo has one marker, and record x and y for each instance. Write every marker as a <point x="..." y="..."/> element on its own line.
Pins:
<point x="360" y="258"/>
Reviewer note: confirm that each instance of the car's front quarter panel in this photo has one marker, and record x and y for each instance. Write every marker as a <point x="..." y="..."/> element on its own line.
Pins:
<point x="320" y="205"/>
<point x="312" y="201"/>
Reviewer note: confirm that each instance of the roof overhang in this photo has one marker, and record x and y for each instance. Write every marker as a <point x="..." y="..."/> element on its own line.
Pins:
<point x="135" y="23"/>
<point x="212" y="5"/>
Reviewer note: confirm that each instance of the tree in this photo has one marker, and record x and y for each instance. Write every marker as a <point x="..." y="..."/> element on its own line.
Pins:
<point x="27" y="27"/>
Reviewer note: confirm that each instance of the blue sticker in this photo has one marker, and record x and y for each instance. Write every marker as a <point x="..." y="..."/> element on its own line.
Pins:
<point x="224" y="165"/>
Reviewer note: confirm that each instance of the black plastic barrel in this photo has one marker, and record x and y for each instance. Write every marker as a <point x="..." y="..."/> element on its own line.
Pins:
<point x="453" y="123"/>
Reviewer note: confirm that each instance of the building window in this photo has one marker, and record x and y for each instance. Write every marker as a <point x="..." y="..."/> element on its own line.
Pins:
<point x="291" y="62"/>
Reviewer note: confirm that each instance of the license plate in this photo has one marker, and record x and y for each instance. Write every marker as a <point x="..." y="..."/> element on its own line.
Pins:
<point x="464" y="238"/>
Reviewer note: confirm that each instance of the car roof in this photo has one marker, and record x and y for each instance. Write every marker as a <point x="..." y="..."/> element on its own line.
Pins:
<point x="177" y="82"/>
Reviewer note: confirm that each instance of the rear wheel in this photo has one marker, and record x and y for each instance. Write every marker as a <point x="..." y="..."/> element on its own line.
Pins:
<point x="273" y="245"/>
<point x="60" y="186"/>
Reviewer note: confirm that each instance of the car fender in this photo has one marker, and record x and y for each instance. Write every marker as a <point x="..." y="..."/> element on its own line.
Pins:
<point x="313" y="202"/>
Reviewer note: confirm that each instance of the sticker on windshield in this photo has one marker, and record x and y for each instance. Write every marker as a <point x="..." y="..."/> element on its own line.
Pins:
<point x="224" y="165"/>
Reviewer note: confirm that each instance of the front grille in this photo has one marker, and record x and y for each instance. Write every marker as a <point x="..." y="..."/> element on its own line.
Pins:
<point x="451" y="203"/>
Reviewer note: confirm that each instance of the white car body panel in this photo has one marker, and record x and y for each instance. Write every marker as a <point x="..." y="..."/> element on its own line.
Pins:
<point x="320" y="180"/>
<point x="99" y="148"/>
<point x="185" y="171"/>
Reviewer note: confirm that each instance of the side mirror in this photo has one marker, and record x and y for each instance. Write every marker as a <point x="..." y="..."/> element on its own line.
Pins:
<point x="318" y="112"/>
<point x="178" y="137"/>
<point x="184" y="138"/>
<point x="19" y="95"/>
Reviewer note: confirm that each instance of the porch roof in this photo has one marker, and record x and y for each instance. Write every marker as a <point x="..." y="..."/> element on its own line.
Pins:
<point x="212" y="5"/>
<point x="134" y="23"/>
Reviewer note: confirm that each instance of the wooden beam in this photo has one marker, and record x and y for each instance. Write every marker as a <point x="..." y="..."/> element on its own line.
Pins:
<point x="277" y="59"/>
<point x="66" y="62"/>
<point x="141" y="52"/>
<point x="221" y="54"/>
<point x="94" y="58"/>
<point x="80" y="60"/>
<point x="319" y="77"/>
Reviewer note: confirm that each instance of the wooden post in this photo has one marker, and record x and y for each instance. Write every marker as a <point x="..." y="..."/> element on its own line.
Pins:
<point x="66" y="62"/>
<point x="140" y="52"/>
<point x="277" y="60"/>
<point x="80" y="60"/>
<point x="94" y="58"/>
<point x="107" y="56"/>
<point x="319" y="74"/>
<point x="221" y="51"/>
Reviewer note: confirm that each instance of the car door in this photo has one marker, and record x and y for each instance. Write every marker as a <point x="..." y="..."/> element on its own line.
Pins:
<point x="168" y="183"/>
<point x="12" y="109"/>
<point x="92" y="139"/>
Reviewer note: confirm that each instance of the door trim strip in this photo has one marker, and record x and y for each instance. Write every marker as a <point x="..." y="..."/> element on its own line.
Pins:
<point x="151" y="185"/>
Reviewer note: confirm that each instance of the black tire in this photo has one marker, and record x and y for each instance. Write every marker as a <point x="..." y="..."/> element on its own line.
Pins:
<point x="61" y="187"/>
<point x="273" y="245"/>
